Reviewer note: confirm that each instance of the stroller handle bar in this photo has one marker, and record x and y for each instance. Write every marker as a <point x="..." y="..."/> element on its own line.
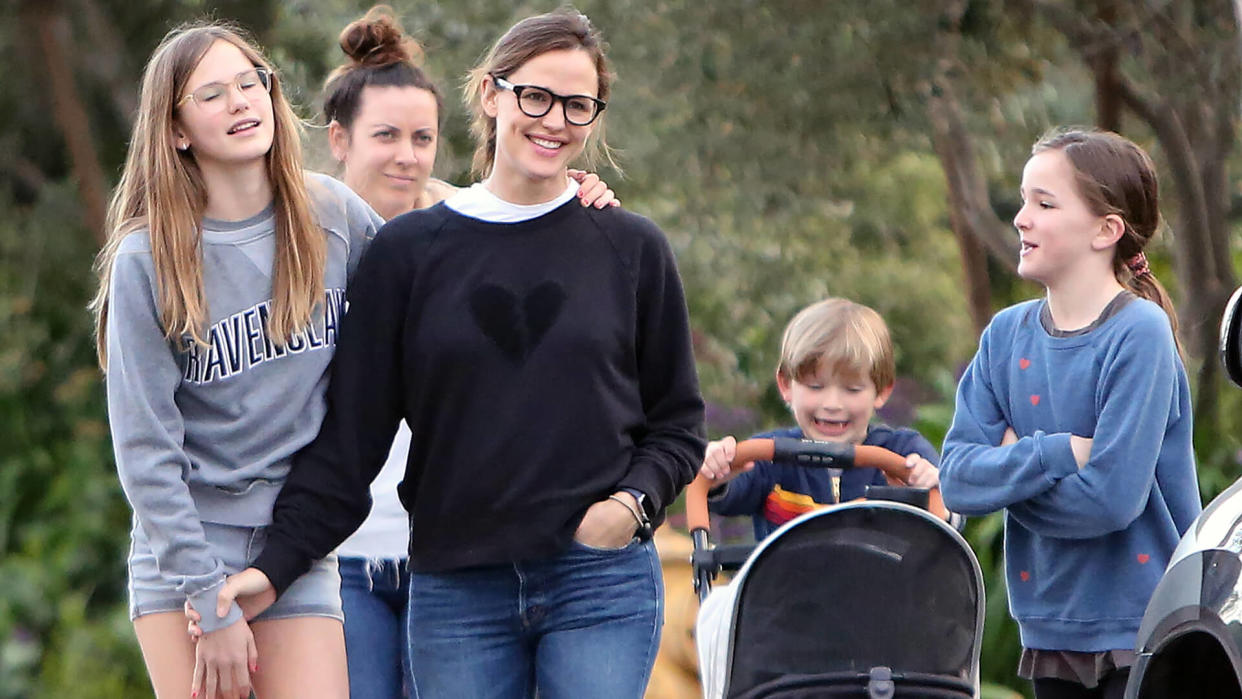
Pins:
<point x="812" y="454"/>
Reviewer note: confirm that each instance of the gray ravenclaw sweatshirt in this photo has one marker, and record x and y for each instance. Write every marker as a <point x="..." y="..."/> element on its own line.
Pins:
<point x="207" y="434"/>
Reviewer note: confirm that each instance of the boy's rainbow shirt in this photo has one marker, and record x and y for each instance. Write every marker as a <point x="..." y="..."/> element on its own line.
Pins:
<point x="782" y="505"/>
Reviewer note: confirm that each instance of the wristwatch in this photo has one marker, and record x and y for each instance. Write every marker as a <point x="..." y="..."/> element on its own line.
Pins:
<point x="640" y="497"/>
<point x="644" y="523"/>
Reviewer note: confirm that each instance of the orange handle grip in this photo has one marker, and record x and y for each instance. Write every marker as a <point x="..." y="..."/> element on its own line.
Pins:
<point x="891" y="464"/>
<point x="696" y="493"/>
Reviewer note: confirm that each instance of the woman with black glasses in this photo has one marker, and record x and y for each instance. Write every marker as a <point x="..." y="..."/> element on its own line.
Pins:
<point x="540" y="352"/>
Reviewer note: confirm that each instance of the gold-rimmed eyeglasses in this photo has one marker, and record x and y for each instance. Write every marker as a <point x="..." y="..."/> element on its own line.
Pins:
<point x="212" y="97"/>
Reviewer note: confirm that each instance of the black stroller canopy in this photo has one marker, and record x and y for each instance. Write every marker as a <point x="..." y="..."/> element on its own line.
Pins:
<point x="876" y="586"/>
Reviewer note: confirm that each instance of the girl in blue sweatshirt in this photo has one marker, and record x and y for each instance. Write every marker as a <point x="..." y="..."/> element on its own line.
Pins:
<point x="1074" y="416"/>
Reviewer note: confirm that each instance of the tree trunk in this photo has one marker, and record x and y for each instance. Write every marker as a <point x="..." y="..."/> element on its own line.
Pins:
<point x="45" y="21"/>
<point x="1203" y="279"/>
<point x="978" y="282"/>
<point x="978" y="229"/>
<point x="1180" y="44"/>
<point x="1104" y="65"/>
<point x="106" y="59"/>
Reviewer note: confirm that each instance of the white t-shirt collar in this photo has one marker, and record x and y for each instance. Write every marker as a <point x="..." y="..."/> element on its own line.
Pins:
<point x="477" y="202"/>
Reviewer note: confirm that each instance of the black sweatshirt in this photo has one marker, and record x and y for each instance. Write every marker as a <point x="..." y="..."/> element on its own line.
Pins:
<point x="541" y="366"/>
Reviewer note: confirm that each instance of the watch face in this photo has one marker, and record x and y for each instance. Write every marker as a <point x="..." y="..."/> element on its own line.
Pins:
<point x="639" y="497"/>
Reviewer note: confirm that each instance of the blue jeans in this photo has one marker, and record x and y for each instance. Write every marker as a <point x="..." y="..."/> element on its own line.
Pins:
<point x="585" y="623"/>
<point x="374" y="594"/>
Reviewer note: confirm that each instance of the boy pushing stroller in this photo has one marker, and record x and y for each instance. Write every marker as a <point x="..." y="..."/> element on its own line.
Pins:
<point x="836" y="368"/>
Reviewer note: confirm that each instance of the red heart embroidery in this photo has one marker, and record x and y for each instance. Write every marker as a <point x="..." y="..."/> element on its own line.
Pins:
<point x="1025" y="575"/>
<point x="1035" y="400"/>
<point x="1024" y="363"/>
<point x="1143" y="558"/>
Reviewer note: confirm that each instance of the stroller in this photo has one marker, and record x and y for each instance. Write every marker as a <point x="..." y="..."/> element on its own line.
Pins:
<point x="1190" y="640"/>
<point x="862" y="599"/>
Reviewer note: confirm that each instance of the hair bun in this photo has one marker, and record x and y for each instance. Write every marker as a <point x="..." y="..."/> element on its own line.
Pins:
<point x="377" y="40"/>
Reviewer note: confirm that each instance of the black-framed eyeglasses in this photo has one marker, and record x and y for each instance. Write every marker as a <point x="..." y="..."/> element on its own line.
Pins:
<point x="211" y="97"/>
<point x="535" y="101"/>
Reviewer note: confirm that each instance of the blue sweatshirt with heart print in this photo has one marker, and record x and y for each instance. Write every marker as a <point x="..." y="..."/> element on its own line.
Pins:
<point x="1084" y="547"/>
<point x="541" y="366"/>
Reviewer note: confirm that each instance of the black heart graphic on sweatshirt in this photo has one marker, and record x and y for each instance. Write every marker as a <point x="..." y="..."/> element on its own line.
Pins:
<point x="516" y="325"/>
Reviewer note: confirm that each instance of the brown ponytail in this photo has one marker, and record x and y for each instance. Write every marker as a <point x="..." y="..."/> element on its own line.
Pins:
<point x="1116" y="176"/>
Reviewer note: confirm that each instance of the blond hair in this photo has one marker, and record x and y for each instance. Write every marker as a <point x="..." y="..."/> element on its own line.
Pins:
<point x="841" y="337"/>
<point x="162" y="190"/>
<point x="564" y="29"/>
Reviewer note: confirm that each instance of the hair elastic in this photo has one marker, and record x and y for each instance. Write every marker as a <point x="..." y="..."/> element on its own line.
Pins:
<point x="1138" y="265"/>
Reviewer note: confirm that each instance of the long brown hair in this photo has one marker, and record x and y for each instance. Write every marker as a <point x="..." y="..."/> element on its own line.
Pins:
<point x="564" y="29"/>
<point x="162" y="190"/>
<point x="1115" y="176"/>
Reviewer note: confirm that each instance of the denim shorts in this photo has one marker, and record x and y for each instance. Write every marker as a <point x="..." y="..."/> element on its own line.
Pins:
<point x="316" y="593"/>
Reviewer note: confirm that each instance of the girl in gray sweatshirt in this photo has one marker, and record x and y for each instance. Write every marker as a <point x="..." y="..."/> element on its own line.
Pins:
<point x="222" y="289"/>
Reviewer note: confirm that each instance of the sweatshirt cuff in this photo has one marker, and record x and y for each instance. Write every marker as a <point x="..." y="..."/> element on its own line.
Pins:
<point x="1055" y="455"/>
<point x="635" y="481"/>
<point x="205" y="604"/>
<point x="282" y="565"/>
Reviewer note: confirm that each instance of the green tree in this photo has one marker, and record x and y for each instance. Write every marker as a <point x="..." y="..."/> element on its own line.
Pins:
<point x="791" y="150"/>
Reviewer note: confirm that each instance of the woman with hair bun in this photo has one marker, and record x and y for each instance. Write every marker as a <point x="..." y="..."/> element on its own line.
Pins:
<point x="384" y="116"/>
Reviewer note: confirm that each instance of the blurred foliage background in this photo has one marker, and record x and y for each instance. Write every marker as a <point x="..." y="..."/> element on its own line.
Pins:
<point x="791" y="149"/>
